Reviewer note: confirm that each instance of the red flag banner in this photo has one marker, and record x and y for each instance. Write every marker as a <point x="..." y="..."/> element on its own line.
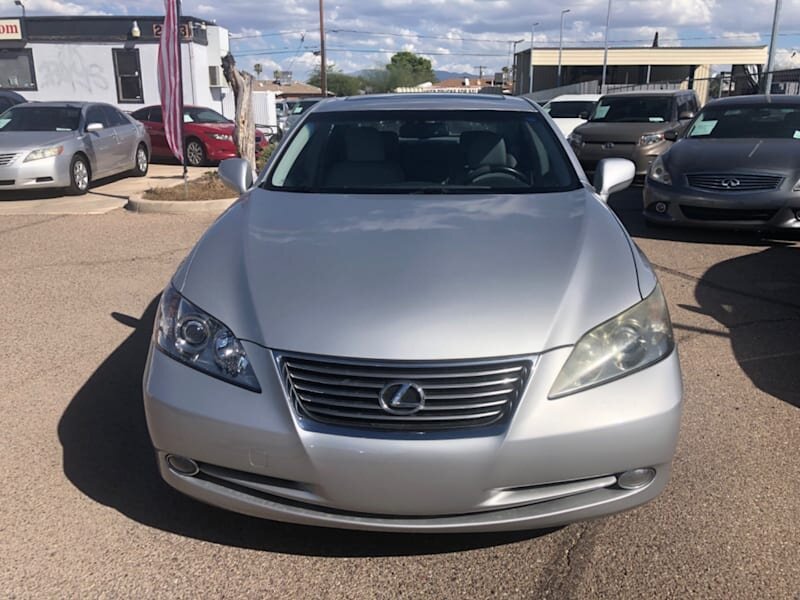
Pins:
<point x="170" y="80"/>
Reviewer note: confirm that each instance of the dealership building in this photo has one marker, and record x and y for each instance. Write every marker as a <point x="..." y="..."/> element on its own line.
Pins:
<point x="109" y="59"/>
<point x="692" y="66"/>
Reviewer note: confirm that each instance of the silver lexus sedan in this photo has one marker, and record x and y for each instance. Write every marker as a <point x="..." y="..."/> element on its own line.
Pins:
<point x="67" y="145"/>
<point x="420" y="317"/>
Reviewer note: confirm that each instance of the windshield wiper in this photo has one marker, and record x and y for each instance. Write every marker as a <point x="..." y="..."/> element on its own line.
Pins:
<point x="446" y="189"/>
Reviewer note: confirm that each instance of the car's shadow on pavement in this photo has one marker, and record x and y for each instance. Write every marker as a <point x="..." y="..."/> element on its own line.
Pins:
<point x="757" y="297"/>
<point x="108" y="456"/>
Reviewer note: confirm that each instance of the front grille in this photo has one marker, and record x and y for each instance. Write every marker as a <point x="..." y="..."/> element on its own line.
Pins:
<point x="733" y="182"/>
<point x="701" y="213"/>
<point x="458" y="394"/>
<point x="5" y="159"/>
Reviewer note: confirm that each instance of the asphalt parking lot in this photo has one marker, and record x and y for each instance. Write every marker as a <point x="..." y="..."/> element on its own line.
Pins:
<point x="83" y="512"/>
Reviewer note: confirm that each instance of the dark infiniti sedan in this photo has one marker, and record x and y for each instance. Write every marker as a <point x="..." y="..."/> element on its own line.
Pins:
<point x="737" y="166"/>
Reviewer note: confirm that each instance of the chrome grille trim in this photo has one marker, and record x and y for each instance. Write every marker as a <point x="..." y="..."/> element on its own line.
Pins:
<point x="7" y="159"/>
<point x="748" y="182"/>
<point x="458" y="394"/>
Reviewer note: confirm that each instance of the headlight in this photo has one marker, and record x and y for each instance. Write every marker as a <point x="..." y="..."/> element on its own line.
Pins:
<point x="651" y="138"/>
<point x="796" y="187"/>
<point x="576" y="139"/>
<point x="659" y="173"/>
<point x="195" y="338"/>
<point x="631" y="341"/>
<point x="222" y="137"/>
<point x="44" y="153"/>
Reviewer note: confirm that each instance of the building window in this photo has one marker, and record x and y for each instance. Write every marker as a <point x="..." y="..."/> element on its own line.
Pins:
<point x="16" y="70"/>
<point x="129" y="76"/>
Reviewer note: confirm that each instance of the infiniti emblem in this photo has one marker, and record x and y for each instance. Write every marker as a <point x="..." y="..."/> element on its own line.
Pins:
<point x="608" y="145"/>
<point x="729" y="183"/>
<point x="401" y="398"/>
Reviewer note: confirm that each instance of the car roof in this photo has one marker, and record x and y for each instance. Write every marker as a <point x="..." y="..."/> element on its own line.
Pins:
<point x="58" y="104"/>
<point x="755" y="100"/>
<point x="576" y="97"/>
<point x="664" y="93"/>
<point x="426" y="101"/>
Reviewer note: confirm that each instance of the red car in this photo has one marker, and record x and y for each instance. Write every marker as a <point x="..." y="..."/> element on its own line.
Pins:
<point x="209" y="135"/>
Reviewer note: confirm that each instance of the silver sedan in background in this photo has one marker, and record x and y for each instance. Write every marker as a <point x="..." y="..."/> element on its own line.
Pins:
<point x="67" y="145"/>
<point x="421" y="317"/>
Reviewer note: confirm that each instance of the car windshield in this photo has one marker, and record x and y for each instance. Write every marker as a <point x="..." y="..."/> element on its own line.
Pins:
<point x="570" y="109"/>
<point x="393" y="152"/>
<point x="749" y="121"/>
<point x="203" y="115"/>
<point x="633" y="109"/>
<point x="40" y="118"/>
<point x="302" y="106"/>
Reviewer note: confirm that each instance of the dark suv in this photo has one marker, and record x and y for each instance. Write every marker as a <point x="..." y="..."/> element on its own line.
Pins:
<point x="638" y="126"/>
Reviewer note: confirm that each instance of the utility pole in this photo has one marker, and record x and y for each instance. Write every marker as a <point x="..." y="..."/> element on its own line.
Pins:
<point x="480" y="70"/>
<point x="323" y="67"/>
<point x="560" y="46"/>
<point x="772" y="41"/>
<point x="513" y="72"/>
<point x="530" y="79"/>
<point x="605" y="51"/>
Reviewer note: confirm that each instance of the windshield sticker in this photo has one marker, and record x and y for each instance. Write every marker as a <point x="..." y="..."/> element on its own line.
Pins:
<point x="601" y="112"/>
<point x="703" y="128"/>
<point x="656" y="119"/>
<point x="4" y="122"/>
<point x="796" y="134"/>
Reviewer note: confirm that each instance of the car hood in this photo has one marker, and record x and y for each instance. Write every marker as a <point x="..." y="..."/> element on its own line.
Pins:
<point x="727" y="155"/>
<point x="619" y="132"/>
<point x="416" y="277"/>
<point x="16" y="141"/>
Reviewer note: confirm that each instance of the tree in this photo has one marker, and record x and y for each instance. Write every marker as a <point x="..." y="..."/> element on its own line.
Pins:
<point x="338" y="83"/>
<point x="244" y="130"/>
<point x="409" y="69"/>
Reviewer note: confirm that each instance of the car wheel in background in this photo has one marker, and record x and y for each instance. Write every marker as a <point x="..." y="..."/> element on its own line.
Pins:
<point x="141" y="161"/>
<point x="79" y="175"/>
<point x="195" y="153"/>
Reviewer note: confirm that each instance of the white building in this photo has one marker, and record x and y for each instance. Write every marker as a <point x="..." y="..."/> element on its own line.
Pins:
<point x="109" y="59"/>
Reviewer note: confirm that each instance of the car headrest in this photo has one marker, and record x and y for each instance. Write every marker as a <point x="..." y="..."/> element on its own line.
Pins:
<point x="363" y="144"/>
<point x="484" y="148"/>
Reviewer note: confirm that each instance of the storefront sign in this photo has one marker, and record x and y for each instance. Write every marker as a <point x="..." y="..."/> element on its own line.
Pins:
<point x="186" y="30"/>
<point x="10" y="29"/>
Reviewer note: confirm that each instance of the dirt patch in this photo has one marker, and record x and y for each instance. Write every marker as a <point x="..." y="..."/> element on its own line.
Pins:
<point x="207" y="187"/>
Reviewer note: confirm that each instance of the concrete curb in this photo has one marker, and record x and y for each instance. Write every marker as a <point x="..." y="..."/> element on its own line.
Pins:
<point x="136" y="203"/>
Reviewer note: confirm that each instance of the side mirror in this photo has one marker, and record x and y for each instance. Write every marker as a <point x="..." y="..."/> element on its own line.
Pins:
<point x="236" y="174"/>
<point x="686" y="115"/>
<point x="583" y="115"/>
<point x="671" y="136"/>
<point x="94" y="127"/>
<point x="613" y="175"/>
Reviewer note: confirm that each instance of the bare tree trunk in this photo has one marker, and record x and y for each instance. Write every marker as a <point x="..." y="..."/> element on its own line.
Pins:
<point x="244" y="132"/>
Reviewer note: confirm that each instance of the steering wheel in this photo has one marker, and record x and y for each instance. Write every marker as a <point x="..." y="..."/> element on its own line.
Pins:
<point x="488" y="170"/>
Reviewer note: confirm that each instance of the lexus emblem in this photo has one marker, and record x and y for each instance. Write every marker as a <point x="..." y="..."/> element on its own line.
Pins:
<point x="608" y="145"/>
<point x="401" y="398"/>
<point x="729" y="183"/>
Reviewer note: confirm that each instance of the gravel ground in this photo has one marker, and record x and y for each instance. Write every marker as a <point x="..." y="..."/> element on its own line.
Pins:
<point x="84" y="514"/>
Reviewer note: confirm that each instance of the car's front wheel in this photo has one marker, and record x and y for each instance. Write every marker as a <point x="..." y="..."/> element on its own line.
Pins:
<point x="195" y="153"/>
<point x="79" y="175"/>
<point x="141" y="162"/>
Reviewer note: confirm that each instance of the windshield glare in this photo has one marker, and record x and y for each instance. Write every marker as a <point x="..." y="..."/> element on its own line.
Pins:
<point x="654" y="109"/>
<point x="40" y="118"/>
<point x="759" y="121"/>
<point x="569" y="109"/>
<point x="423" y="152"/>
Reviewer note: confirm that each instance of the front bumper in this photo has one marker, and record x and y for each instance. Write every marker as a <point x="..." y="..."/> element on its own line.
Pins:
<point x="554" y="463"/>
<point x="591" y="153"/>
<point x="45" y="173"/>
<point x="727" y="210"/>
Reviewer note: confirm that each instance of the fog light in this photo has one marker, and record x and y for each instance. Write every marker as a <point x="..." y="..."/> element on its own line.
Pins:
<point x="635" y="479"/>
<point x="797" y="213"/>
<point x="660" y="207"/>
<point x="182" y="465"/>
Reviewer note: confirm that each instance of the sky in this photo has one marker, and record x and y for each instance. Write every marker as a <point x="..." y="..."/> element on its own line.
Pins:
<point x="457" y="35"/>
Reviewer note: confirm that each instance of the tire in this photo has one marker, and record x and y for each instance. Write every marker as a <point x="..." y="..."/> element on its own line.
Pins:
<point x="141" y="162"/>
<point x="195" y="153"/>
<point x="80" y="175"/>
